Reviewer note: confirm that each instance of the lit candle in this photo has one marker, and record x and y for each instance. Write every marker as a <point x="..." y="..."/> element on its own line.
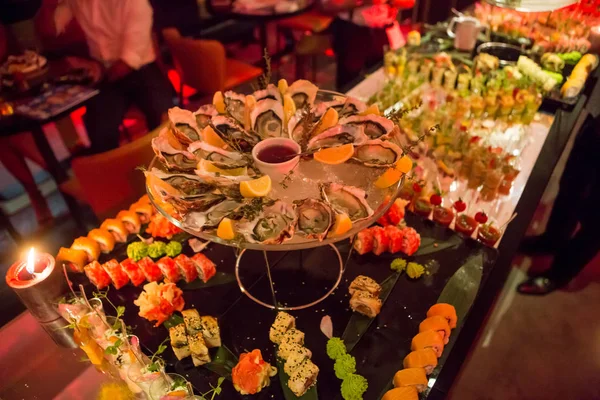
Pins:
<point x="36" y="267"/>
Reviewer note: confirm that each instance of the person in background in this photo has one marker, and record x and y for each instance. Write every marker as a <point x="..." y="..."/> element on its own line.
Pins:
<point x="576" y="204"/>
<point x="119" y="36"/>
<point x="360" y="33"/>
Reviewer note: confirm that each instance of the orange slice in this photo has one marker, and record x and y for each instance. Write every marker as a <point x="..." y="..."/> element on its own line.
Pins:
<point x="249" y="106"/>
<point x="211" y="137"/>
<point x="372" y="109"/>
<point x="328" y="120"/>
<point x="388" y="178"/>
<point x="341" y="225"/>
<point x="157" y="187"/>
<point x="289" y="108"/>
<point x="178" y="393"/>
<point x="404" y="164"/>
<point x="172" y="140"/>
<point x="257" y="187"/>
<point x="225" y="230"/>
<point x="207" y="166"/>
<point x="282" y="85"/>
<point x="335" y="155"/>
<point x="219" y="102"/>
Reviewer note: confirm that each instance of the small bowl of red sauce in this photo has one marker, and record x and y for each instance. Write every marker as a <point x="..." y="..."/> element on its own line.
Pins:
<point x="465" y="224"/>
<point x="276" y="156"/>
<point x="443" y="215"/>
<point x="488" y="234"/>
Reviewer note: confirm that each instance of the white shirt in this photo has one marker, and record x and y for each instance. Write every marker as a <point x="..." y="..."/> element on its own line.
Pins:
<point x="114" y="29"/>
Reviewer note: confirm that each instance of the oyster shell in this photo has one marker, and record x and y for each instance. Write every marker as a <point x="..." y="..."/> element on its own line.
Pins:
<point x="377" y="153"/>
<point x="218" y="178"/>
<point x="347" y="199"/>
<point x="352" y="106"/>
<point x="375" y="126"/>
<point x="271" y="92"/>
<point x="315" y="217"/>
<point x="267" y="118"/>
<point x="184" y="126"/>
<point x="234" y="134"/>
<point x="274" y="224"/>
<point x="303" y="92"/>
<point x="173" y="158"/>
<point x="204" y="114"/>
<point x="337" y="136"/>
<point x="235" y="104"/>
<point x="337" y="104"/>
<point x="198" y="202"/>
<point x="220" y="158"/>
<point x="185" y="184"/>
<point x="211" y="217"/>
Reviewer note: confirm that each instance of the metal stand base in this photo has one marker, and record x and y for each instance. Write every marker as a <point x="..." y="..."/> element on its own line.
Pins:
<point x="275" y="305"/>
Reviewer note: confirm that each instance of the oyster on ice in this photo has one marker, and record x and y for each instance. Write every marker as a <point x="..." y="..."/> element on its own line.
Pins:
<point x="274" y="224"/>
<point x="337" y="104"/>
<point x="352" y="106"/>
<point x="315" y="217"/>
<point x="184" y="184"/>
<point x="271" y="92"/>
<point x="235" y="105"/>
<point x="184" y="126"/>
<point x="198" y="202"/>
<point x="204" y="114"/>
<point x="337" y="136"/>
<point x="375" y="126"/>
<point x="234" y="134"/>
<point x="267" y="118"/>
<point x="377" y="153"/>
<point x="347" y="199"/>
<point x="303" y="93"/>
<point x="211" y="217"/>
<point x="173" y="158"/>
<point x="220" y="158"/>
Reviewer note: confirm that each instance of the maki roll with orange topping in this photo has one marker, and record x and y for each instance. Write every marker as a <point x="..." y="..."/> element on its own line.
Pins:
<point x="144" y="199"/>
<point x="105" y="240"/>
<point x="380" y="240"/>
<point x="169" y="269"/>
<point x="133" y="271"/>
<point x="445" y="310"/>
<point x="363" y="243"/>
<point x="428" y="339"/>
<point x="90" y="246"/>
<point x="414" y="377"/>
<point x="97" y="275"/>
<point x="436" y="323"/>
<point x="425" y="358"/>
<point x="187" y="267"/>
<point x="75" y="259"/>
<point x="150" y="269"/>
<point x="401" y="393"/>
<point x="116" y="228"/>
<point x="116" y="273"/>
<point x="206" y="268"/>
<point x="130" y="220"/>
<point x="143" y="210"/>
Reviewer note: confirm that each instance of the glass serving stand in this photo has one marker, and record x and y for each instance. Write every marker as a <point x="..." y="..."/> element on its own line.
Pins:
<point x="303" y="183"/>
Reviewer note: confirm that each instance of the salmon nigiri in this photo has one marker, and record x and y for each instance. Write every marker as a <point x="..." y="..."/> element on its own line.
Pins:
<point x="401" y="393"/>
<point x="445" y="310"/>
<point x="428" y="339"/>
<point x="424" y="358"/>
<point x="436" y="323"/>
<point x="411" y="377"/>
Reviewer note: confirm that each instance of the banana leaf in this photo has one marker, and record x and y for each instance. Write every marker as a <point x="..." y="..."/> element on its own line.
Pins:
<point x="223" y="361"/>
<point x="311" y="394"/>
<point x="428" y="245"/>
<point x="358" y="323"/>
<point x="220" y="278"/>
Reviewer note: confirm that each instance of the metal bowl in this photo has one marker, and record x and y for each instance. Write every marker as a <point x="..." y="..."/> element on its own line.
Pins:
<point x="506" y="53"/>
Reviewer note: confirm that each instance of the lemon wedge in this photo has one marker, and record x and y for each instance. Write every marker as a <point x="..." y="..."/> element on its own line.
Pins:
<point x="289" y="108"/>
<point x="341" y="225"/>
<point x="207" y="166"/>
<point x="225" y="230"/>
<point x="219" y="102"/>
<point x="257" y="187"/>
<point x="250" y="104"/>
<point x="282" y="85"/>
<point x="404" y="164"/>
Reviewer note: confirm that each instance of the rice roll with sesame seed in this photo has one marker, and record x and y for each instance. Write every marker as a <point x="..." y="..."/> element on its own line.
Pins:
<point x="210" y="331"/>
<point x="283" y="322"/>
<point x="295" y="359"/>
<point x="303" y="377"/>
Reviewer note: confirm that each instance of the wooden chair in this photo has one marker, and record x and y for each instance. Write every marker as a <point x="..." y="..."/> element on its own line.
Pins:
<point x="202" y="64"/>
<point x="109" y="181"/>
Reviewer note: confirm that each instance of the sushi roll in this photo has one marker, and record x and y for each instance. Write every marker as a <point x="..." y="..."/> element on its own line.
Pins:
<point x="133" y="271"/>
<point x="436" y="323"/>
<point x="283" y="322"/>
<point x="116" y="228"/>
<point x="105" y="240"/>
<point x="445" y="310"/>
<point x="414" y="377"/>
<point x="169" y="269"/>
<point x="401" y="393"/>
<point x="206" y="268"/>
<point x="179" y="341"/>
<point x="130" y="220"/>
<point x="187" y="267"/>
<point x="144" y="199"/>
<point x="425" y="358"/>
<point x="97" y="275"/>
<point x="198" y="349"/>
<point x="365" y="303"/>
<point x="75" y="259"/>
<point x="191" y="319"/>
<point x="293" y="335"/>
<point x="90" y="246"/>
<point x="295" y="359"/>
<point x="150" y="269"/>
<point x="303" y="377"/>
<point x="144" y="211"/>
<point x="380" y="240"/>
<point x="286" y="349"/>
<point x="363" y="243"/>
<point x="117" y="275"/>
<point x="428" y="339"/>
<point x="395" y="238"/>
<point x="366" y="284"/>
<point x="210" y="331"/>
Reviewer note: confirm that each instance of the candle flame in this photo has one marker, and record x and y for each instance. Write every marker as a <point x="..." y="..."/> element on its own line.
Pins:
<point x="30" y="266"/>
